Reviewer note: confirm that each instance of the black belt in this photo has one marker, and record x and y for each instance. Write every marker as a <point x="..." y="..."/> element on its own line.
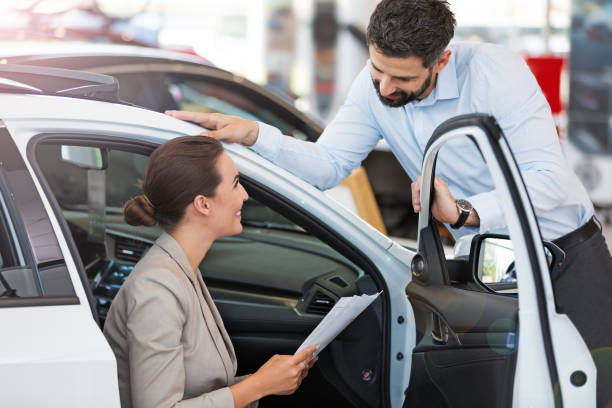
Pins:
<point x="579" y="235"/>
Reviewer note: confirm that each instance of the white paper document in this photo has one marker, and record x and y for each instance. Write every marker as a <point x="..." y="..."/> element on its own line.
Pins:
<point x="336" y="320"/>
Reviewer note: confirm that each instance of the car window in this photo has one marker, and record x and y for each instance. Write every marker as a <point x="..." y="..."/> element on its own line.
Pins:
<point x="159" y="91"/>
<point x="16" y="278"/>
<point x="123" y="176"/>
<point x="272" y="254"/>
<point x="32" y="265"/>
<point x="201" y="96"/>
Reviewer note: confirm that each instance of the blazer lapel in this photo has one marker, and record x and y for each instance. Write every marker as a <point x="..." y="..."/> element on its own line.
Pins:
<point x="226" y="339"/>
<point x="207" y="306"/>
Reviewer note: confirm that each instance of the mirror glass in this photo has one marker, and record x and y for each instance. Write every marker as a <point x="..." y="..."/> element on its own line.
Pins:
<point x="496" y="260"/>
<point x="84" y="157"/>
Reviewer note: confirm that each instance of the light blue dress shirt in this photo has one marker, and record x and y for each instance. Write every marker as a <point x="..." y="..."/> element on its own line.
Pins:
<point x="479" y="77"/>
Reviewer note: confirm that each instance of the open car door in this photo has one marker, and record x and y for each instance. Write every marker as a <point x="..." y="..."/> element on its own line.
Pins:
<point x="477" y="347"/>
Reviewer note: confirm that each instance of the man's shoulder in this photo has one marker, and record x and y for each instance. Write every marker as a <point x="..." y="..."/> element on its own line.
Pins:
<point x="484" y="56"/>
<point x="363" y="80"/>
<point x="361" y="90"/>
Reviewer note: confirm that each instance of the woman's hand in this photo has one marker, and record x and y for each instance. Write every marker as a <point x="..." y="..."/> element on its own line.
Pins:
<point x="282" y="374"/>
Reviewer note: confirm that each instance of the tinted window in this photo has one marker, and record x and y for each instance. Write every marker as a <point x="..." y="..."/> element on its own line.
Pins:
<point x="161" y="92"/>
<point x="16" y="279"/>
<point x="31" y="263"/>
<point x="123" y="176"/>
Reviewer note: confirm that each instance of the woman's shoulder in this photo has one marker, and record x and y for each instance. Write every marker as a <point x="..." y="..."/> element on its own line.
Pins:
<point x="155" y="271"/>
<point x="154" y="287"/>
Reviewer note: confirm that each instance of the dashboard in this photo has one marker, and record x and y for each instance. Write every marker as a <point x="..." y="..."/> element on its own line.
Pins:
<point x="261" y="266"/>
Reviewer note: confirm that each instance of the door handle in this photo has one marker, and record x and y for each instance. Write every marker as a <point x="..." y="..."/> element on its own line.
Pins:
<point x="439" y="330"/>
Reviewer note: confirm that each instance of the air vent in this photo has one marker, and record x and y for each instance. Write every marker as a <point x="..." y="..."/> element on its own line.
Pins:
<point x="320" y="304"/>
<point x="128" y="249"/>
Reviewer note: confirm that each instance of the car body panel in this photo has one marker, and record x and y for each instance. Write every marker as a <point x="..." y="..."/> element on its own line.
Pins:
<point x="60" y="352"/>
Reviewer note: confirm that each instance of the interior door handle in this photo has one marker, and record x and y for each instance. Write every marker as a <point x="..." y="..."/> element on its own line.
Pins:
<point x="439" y="331"/>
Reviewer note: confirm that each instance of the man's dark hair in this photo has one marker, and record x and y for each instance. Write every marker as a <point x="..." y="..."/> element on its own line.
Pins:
<point x="412" y="28"/>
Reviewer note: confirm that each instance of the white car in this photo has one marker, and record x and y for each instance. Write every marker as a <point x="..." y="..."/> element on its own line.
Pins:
<point x="439" y="335"/>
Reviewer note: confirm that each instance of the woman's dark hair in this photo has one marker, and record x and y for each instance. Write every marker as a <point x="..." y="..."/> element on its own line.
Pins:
<point x="176" y="172"/>
<point x="412" y="28"/>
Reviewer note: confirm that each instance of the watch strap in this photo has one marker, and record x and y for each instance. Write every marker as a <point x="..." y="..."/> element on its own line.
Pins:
<point x="463" y="216"/>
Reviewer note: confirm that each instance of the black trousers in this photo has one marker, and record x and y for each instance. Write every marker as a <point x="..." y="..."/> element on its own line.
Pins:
<point x="583" y="291"/>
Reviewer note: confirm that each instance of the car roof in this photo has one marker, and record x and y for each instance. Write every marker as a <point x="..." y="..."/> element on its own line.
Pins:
<point x="55" y="49"/>
<point x="19" y="107"/>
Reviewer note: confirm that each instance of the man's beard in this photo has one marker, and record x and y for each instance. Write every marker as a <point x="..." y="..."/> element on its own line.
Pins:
<point x="404" y="97"/>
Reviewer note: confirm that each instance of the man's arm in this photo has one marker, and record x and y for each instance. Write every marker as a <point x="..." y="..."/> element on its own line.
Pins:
<point x="346" y="141"/>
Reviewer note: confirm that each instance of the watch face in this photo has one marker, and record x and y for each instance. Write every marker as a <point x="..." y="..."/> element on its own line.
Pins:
<point x="464" y="205"/>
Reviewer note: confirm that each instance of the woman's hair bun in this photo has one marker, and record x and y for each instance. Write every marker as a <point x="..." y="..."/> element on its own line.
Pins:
<point x="139" y="211"/>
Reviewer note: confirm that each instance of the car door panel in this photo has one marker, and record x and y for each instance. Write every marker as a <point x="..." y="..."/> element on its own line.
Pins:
<point x="466" y="311"/>
<point x="48" y="330"/>
<point x="469" y="351"/>
<point x="465" y="341"/>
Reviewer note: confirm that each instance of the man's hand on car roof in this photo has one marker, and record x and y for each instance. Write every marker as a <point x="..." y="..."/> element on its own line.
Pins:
<point x="230" y="129"/>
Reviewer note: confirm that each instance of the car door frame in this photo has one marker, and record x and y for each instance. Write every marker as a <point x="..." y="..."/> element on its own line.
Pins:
<point x="550" y="348"/>
<point x="56" y="348"/>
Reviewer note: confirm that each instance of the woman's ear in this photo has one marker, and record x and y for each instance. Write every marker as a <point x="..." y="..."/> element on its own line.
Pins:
<point x="202" y="204"/>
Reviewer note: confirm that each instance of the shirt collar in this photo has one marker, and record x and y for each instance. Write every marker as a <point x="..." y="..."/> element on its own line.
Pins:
<point x="446" y="85"/>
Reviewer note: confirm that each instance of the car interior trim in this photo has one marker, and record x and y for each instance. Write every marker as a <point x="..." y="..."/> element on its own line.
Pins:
<point x="330" y="237"/>
<point x="40" y="301"/>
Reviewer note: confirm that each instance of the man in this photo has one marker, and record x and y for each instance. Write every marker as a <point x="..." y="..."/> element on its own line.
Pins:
<point x="413" y="82"/>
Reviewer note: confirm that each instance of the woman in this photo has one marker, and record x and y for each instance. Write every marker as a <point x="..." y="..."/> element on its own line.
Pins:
<point x="171" y="346"/>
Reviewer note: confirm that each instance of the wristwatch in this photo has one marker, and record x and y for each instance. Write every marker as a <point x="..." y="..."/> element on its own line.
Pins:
<point x="465" y="208"/>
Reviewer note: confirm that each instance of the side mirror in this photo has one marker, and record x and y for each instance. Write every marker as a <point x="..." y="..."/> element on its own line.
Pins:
<point x="90" y="158"/>
<point x="492" y="260"/>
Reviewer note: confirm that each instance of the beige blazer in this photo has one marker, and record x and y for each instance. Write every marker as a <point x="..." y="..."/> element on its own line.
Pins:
<point x="171" y="346"/>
